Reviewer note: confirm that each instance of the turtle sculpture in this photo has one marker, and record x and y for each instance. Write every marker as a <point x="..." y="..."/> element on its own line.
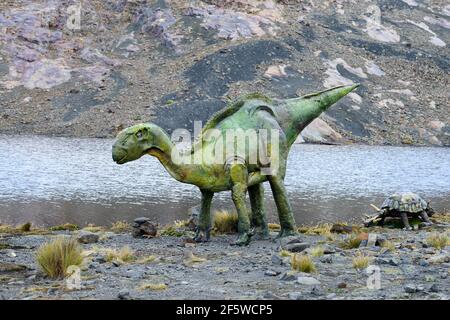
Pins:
<point x="403" y="205"/>
<point x="210" y="165"/>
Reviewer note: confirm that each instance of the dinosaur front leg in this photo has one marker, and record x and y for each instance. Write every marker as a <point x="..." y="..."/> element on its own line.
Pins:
<point x="425" y="218"/>
<point x="285" y="215"/>
<point x="259" y="219"/>
<point x="238" y="174"/>
<point x="203" y="229"/>
<point x="405" y="221"/>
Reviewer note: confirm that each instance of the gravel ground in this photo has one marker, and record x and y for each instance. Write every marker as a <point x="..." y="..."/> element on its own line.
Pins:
<point x="410" y="270"/>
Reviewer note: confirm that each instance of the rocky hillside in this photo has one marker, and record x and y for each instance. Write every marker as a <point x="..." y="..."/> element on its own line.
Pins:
<point x="95" y="68"/>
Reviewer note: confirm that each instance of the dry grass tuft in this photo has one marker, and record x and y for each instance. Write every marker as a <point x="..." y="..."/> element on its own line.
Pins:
<point x="190" y="259"/>
<point x="4" y="228"/>
<point x="351" y="242"/>
<point x="122" y="255"/>
<point x="65" y="227"/>
<point x="225" y="221"/>
<point x="323" y="229"/>
<point x="361" y="261"/>
<point x="438" y="241"/>
<point x="442" y="217"/>
<point x="389" y="245"/>
<point x="153" y="286"/>
<point x="56" y="256"/>
<point x="274" y="226"/>
<point x="285" y="253"/>
<point x="26" y="227"/>
<point x="181" y="223"/>
<point x="171" y="231"/>
<point x="317" y="251"/>
<point x="148" y="259"/>
<point x="120" y="227"/>
<point x="302" y="263"/>
<point x="93" y="228"/>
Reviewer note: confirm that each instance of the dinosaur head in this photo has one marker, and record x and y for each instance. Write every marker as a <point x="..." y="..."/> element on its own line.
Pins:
<point x="135" y="141"/>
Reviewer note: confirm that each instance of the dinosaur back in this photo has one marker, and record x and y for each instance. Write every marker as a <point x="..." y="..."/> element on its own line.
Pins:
<point x="253" y="102"/>
<point x="232" y="108"/>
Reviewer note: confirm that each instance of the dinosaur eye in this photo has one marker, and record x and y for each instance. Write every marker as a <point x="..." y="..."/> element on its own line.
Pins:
<point x="139" y="134"/>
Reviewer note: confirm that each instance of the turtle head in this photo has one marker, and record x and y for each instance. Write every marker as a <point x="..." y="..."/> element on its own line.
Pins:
<point x="430" y="211"/>
<point x="135" y="141"/>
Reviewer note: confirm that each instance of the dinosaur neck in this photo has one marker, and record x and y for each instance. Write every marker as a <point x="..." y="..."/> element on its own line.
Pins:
<point x="295" y="114"/>
<point x="162" y="151"/>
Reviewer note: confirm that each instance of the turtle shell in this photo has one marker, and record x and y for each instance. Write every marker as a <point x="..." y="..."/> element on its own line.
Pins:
<point x="406" y="202"/>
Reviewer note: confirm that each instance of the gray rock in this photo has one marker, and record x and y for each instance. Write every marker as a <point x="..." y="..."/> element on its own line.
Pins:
<point x="271" y="273"/>
<point x="124" y="295"/>
<point x="270" y="295"/>
<point x="99" y="259"/>
<point x="424" y="263"/>
<point x="410" y="288"/>
<point x="331" y="296"/>
<point x="289" y="276"/>
<point x="440" y="258"/>
<point x="93" y="265"/>
<point x="87" y="237"/>
<point x="434" y="288"/>
<point x="116" y="263"/>
<point x="295" y="295"/>
<point x="141" y="220"/>
<point x="308" y="281"/>
<point x="389" y="261"/>
<point x="381" y="239"/>
<point x="146" y="228"/>
<point x="317" y="291"/>
<point x="297" y="246"/>
<point x="326" y="259"/>
<point x="291" y="239"/>
<point x="329" y="249"/>
<point x="276" y="260"/>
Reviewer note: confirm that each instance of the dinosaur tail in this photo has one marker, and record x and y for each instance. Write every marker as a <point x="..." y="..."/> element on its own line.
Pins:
<point x="297" y="113"/>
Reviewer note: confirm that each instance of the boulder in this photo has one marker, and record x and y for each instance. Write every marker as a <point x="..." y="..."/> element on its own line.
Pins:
<point x="87" y="237"/>
<point x="297" y="246"/>
<point x="143" y="227"/>
<point x="308" y="281"/>
<point x="319" y="131"/>
<point x="339" y="228"/>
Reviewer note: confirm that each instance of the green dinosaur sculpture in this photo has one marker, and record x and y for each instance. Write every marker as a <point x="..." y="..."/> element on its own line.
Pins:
<point x="211" y="166"/>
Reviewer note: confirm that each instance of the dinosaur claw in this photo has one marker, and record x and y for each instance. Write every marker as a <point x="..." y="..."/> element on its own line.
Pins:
<point x="243" y="239"/>
<point x="262" y="234"/>
<point x="286" y="233"/>
<point x="201" y="235"/>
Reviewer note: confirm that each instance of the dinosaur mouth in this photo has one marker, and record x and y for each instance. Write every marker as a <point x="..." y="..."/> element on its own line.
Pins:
<point x="121" y="160"/>
<point x="153" y="149"/>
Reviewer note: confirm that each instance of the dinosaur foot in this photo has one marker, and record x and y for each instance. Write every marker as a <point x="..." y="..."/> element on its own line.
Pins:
<point x="243" y="239"/>
<point x="286" y="233"/>
<point x="261" y="234"/>
<point x="201" y="235"/>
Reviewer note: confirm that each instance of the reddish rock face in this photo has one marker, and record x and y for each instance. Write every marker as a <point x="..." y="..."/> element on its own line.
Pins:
<point x="132" y="57"/>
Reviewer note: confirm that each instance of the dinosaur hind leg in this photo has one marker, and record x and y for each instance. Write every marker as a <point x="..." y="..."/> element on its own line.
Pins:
<point x="238" y="174"/>
<point x="285" y="215"/>
<point x="204" y="224"/>
<point x="259" y="219"/>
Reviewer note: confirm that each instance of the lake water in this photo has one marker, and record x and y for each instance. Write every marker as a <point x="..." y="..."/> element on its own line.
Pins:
<point x="50" y="181"/>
